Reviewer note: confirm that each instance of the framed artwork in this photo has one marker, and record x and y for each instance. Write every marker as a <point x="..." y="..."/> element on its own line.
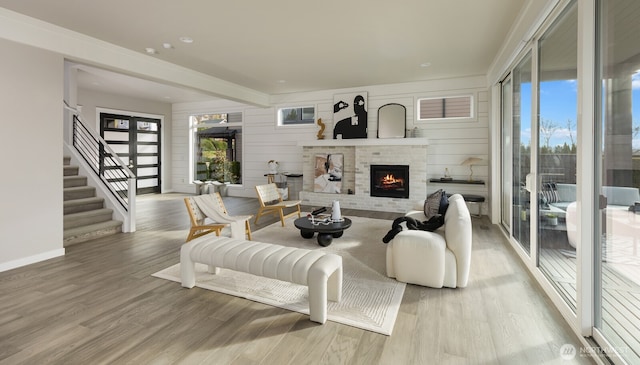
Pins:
<point x="350" y="115"/>
<point x="328" y="173"/>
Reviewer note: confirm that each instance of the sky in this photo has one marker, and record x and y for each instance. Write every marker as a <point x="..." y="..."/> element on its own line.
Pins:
<point x="558" y="103"/>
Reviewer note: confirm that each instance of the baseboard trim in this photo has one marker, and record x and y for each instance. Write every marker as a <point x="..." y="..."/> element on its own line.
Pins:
<point x="5" y="266"/>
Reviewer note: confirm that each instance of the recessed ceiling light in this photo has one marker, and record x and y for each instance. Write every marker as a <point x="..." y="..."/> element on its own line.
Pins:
<point x="425" y="64"/>
<point x="150" y="50"/>
<point x="186" y="39"/>
<point x="281" y="81"/>
<point x="167" y="45"/>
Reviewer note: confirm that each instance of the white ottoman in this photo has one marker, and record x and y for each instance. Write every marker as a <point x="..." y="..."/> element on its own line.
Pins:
<point x="321" y="272"/>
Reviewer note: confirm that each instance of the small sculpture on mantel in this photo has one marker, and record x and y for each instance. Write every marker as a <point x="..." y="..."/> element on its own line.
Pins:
<point x="322" y="127"/>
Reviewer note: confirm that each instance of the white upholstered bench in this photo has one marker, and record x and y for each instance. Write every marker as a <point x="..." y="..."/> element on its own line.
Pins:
<point x="321" y="272"/>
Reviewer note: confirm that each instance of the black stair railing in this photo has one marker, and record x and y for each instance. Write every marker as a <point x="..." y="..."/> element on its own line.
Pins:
<point x="105" y="163"/>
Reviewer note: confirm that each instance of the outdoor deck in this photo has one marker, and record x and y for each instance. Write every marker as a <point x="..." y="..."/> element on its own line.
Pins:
<point x="620" y="293"/>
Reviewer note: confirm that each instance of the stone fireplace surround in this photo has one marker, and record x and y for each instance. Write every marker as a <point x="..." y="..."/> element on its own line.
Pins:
<point x="359" y="154"/>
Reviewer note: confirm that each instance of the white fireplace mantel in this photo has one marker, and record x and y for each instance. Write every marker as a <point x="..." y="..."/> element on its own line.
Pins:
<point x="359" y="155"/>
<point x="366" y="142"/>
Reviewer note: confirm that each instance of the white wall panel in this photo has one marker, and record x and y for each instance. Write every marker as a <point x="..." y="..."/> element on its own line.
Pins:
<point x="31" y="94"/>
<point x="449" y="142"/>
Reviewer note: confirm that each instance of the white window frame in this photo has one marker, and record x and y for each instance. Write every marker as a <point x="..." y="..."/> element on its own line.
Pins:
<point x="281" y="123"/>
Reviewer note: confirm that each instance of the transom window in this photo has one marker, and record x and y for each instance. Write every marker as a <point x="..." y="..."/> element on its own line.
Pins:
<point x="449" y="107"/>
<point x="296" y="115"/>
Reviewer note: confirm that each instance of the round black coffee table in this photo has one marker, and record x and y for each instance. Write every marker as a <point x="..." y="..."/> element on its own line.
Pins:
<point x="326" y="231"/>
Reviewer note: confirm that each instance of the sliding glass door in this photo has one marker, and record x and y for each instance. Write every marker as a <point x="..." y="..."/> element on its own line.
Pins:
<point x="561" y="208"/>
<point x="517" y="150"/>
<point x="556" y="152"/>
<point x="617" y="252"/>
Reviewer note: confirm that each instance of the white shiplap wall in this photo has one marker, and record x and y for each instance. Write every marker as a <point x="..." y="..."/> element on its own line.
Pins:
<point x="449" y="142"/>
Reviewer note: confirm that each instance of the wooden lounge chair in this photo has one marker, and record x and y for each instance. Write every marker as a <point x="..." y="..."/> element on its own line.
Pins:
<point x="271" y="202"/>
<point x="198" y="225"/>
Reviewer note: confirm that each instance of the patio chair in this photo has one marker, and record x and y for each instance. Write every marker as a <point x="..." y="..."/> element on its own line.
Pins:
<point x="271" y="203"/>
<point x="211" y="207"/>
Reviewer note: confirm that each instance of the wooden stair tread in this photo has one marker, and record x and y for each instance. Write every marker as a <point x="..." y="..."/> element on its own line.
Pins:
<point x="94" y="199"/>
<point x="77" y="231"/>
<point x="89" y="213"/>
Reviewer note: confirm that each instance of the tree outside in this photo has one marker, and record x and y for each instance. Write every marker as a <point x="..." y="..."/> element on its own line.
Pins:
<point x="213" y="163"/>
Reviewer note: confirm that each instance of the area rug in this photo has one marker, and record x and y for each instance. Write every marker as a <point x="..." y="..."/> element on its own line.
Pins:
<point x="370" y="299"/>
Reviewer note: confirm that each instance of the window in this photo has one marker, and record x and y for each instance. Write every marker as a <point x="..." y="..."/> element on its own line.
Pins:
<point x="556" y="150"/>
<point x="617" y="178"/>
<point x="296" y="115"/>
<point x="217" y="147"/>
<point x="450" y="107"/>
<point x="520" y="150"/>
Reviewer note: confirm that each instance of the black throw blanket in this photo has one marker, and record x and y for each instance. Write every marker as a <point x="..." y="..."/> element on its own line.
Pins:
<point x="413" y="224"/>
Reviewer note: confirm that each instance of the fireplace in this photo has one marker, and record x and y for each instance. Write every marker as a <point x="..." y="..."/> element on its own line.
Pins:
<point x="390" y="181"/>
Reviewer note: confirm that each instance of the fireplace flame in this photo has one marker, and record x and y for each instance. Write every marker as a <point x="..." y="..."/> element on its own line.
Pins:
<point x="391" y="179"/>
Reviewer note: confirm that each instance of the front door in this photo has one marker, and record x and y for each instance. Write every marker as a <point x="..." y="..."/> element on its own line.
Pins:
<point x="136" y="140"/>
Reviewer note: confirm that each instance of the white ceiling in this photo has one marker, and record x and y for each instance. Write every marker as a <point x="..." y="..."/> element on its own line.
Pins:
<point x="96" y="79"/>
<point x="282" y="46"/>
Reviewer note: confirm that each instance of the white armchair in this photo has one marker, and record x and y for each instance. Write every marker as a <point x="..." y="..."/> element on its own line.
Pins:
<point x="434" y="259"/>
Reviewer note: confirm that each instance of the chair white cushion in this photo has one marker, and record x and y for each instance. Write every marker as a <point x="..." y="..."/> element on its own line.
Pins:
<point x="434" y="259"/>
<point x="572" y="227"/>
<point x="417" y="257"/>
<point x="458" y="235"/>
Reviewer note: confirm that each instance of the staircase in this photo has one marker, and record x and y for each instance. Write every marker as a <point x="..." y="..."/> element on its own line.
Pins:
<point x="85" y="217"/>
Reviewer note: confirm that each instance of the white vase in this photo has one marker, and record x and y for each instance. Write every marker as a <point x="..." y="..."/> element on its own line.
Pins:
<point x="273" y="167"/>
<point x="335" y="211"/>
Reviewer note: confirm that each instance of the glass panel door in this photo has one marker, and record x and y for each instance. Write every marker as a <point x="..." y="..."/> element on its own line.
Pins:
<point x="146" y="158"/>
<point x="136" y="140"/>
<point x="556" y="155"/>
<point x="617" y="302"/>
<point x="521" y="152"/>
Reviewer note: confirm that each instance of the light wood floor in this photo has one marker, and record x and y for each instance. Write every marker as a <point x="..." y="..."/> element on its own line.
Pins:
<point x="100" y="305"/>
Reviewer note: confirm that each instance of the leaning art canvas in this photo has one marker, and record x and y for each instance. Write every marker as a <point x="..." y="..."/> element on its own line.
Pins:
<point x="350" y="115"/>
<point x="328" y="173"/>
